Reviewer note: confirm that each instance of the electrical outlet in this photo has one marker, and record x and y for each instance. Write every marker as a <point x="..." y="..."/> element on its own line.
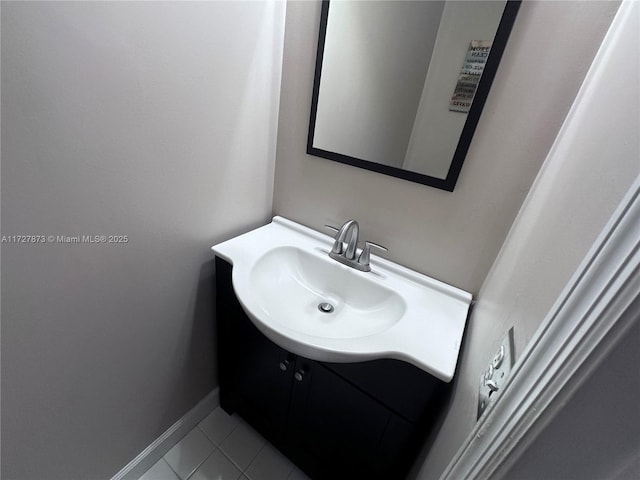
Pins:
<point x="495" y="375"/>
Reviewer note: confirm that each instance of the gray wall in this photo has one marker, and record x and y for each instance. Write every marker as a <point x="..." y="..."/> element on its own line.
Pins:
<point x="456" y="236"/>
<point x="591" y="166"/>
<point x="152" y="120"/>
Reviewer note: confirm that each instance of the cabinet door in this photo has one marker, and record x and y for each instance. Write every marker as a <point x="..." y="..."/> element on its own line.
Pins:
<point x="257" y="374"/>
<point x="334" y="426"/>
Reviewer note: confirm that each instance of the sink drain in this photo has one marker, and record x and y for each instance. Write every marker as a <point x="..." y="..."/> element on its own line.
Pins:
<point x="325" y="307"/>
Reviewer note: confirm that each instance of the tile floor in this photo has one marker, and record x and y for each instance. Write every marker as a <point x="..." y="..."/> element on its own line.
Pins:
<point x="223" y="447"/>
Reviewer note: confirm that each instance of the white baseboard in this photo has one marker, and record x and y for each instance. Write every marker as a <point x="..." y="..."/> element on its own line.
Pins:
<point x="161" y="445"/>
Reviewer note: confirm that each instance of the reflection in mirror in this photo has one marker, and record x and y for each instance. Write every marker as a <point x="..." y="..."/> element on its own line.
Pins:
<point x="400" y="85"/>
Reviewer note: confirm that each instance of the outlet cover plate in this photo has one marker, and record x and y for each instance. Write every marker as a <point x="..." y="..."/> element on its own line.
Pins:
<point x="496" y="372"/>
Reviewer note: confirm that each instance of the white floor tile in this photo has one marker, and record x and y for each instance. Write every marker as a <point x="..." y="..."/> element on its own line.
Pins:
<point x="189" y="453"/>
<point x="297" y="474"/>
<point x="216" y="467"/>
<point x="160" y="471"/>
<point x="242" y="445"/>
<point x="270" y="464"/>
<point x="218" y="425"/>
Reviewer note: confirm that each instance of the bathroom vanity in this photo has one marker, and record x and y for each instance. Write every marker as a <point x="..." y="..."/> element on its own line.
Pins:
<point x="333" y="420"/>
<point x="347" y="392"/>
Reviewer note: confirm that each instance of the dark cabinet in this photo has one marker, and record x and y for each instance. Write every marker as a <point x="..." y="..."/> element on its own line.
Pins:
<point x="255" y="374"/>
<point x="332" y="421"/>
<point x="361" y="420"/>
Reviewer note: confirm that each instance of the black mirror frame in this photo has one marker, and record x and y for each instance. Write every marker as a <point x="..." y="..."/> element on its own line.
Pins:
<point x="482" y="92"/>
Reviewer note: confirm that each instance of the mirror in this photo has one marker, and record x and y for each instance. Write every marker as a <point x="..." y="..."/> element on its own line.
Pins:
<point x="399" y="85"/>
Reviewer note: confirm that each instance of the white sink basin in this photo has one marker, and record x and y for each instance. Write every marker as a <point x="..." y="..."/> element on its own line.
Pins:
<point x="282" y="273"/>
<point x="290" y="284"/>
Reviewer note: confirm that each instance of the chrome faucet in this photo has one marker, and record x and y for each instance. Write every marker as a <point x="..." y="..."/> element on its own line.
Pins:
<point x="348" y="256"/>
<point x="350" y="226"/>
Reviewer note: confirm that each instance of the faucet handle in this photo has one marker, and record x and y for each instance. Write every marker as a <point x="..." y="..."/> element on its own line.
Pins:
<point x="365" y="258"/>
<point x="375" y="245"/>
<point x="337" y="246"/>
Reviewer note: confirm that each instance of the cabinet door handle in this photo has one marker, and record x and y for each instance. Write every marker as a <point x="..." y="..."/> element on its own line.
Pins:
<point x="299" y="375"/>
<point x="284" y="365"/>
